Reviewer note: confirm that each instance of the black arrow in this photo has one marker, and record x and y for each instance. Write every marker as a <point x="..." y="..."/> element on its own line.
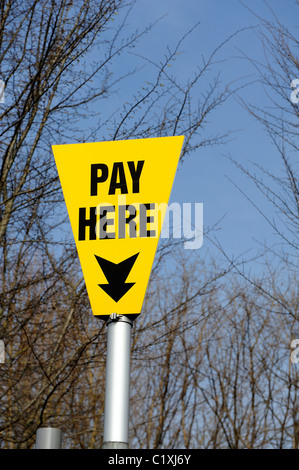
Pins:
<point x="116" y="275"/>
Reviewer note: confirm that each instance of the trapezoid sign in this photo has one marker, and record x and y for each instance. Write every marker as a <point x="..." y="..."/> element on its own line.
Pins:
<point x="116" y="193"/>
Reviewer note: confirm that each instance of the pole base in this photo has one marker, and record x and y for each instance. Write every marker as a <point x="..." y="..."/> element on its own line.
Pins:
<point x="115" y="445"/>
<point x="48" y="438"/>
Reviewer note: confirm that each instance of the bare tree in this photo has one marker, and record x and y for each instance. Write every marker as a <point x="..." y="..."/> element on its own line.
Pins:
<point x="275" y="287"/>
<point x="279" y="118"/>
<point x="56" y="63"/>
<point x="211" y="364"/>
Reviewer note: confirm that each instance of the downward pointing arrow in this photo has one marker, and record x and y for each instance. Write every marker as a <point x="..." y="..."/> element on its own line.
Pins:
<point x="116" y="275"/>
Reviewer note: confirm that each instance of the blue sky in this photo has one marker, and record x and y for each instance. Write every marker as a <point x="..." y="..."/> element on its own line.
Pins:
<point x="205" y="176"/>
<point x="208" y="176"/>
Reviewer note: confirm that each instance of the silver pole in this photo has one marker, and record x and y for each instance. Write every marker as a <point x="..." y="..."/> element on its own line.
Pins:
<point x="117" y="393"/>
<point x="48" y="438"/>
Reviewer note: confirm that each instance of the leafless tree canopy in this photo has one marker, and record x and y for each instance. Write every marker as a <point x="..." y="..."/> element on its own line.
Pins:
<point x="211" y="352"/>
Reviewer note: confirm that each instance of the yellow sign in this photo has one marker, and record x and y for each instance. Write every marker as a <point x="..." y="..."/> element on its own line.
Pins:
<point x="116" y="195"/>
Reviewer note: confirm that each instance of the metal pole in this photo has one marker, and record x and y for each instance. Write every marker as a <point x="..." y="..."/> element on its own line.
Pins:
<point x="48" y="438"/>
<point x="117" y="393"/>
